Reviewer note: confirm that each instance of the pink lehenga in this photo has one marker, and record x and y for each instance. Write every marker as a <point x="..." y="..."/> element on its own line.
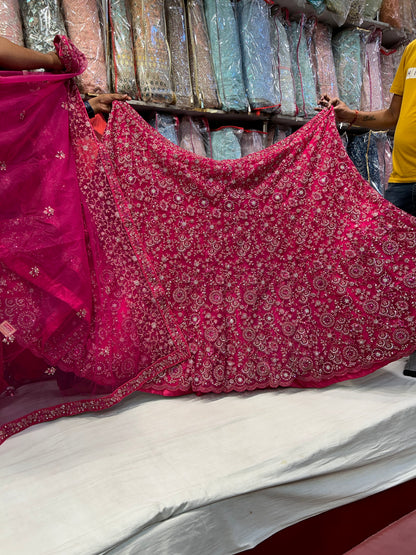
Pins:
<point x="132" y="264"/>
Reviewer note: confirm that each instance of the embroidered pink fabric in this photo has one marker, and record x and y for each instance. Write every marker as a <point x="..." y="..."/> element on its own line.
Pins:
<point x="134" y="264"/>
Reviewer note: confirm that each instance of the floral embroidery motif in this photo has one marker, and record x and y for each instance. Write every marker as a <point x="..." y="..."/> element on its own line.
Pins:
<point x="34" y="272"/>
<point x="49" y="211"/>
<point x="82" y="313"/>
<point x="3" y="166"/>
<point x="22" y="115"/>
<point x="50" y="371"/>
<point x="60" y="154"/>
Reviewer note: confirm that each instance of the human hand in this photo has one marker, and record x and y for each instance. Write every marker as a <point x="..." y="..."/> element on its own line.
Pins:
<point x="103" y="102"/>
<point x="343" y="114"/>
<point x="53" y="63"/>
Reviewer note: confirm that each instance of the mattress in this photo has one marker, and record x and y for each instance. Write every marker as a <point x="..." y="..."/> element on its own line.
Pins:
<point x="212" y="474"/>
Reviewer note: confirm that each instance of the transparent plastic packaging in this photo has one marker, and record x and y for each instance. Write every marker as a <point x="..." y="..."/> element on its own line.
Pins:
<point x="319" y="5"/>
<point x="167" y="125"/>
<point x="302" y="68"/>
<point x="282" y="70"/>
<point x="226" y="54"/>
<point x="225" y="143"/>
<point x="339" y="10"/>
<point x="326" y="79"/>
<point x="346" y="47"/>
<point x="407" y="15"/>
<point x="11" y="22"/>
<point x="194" y="135"/>
<point x="179" y="49"/>
<point x="123" y="72"/>
<point x="254" y="29"/>
<point x="371" y="8"/>
<point x="252" y="141"/>
<point x="388" y="69"/>
<point x="42" y="20"/>
<point x="367" y="151"/>
<point x="84" y="26"/>
<point x="372" y="90"/>
<point x="279" y="133"/>
<point x="151" y="50"/>
<point x="356" y="13"/>
<point x="390" y="13"/>
<point x="202" y="72"/>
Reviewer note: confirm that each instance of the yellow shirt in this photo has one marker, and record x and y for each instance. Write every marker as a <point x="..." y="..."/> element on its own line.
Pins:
<point x="404" y="151"/>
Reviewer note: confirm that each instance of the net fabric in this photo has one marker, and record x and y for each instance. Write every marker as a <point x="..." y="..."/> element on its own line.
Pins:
<point x="151" y="51"/>
<point x="158" y="269"/>
<point x="71" y="289"/>
<point x="42" y="20"/>
<point x="204" y="83"/>
<point x="257" y="58"/>
<point x="179" y="48"/>
<point x="11" y="22"/>
<point x="123" y="71"/>
<point x="226" y="54"/>
<point x="248" y="319"/>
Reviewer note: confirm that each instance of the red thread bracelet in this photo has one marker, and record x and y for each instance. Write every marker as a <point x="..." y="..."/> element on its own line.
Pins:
<point x="354" y="119"/>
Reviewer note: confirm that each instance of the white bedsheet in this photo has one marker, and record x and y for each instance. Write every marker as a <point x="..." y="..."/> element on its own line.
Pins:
<point x="207" y="475"/>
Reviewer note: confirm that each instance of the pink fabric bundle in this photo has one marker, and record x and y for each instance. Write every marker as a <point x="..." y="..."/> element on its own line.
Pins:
<point x="372" y="90"/>
<point x="84" y="29"/>
<point x="135" y="264"/>
<point x="10" y="21"/>
<point x="325" y="65"/>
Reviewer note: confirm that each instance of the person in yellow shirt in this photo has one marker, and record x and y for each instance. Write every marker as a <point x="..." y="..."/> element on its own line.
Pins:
<point x="401" y="116"/>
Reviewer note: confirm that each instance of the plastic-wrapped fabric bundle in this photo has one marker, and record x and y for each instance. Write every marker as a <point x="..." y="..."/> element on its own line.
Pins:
<point x="254" y="28"/>
<point x="390" y="13"/>
<point x="407" y="15"/>
<point x="251" y="141"/>
<point x="356" y="13"/>
<point x="10" y="21"/>
<point x="302" y="68"/>
<point x="151" y="51"/>
<point x="84" y="29"/>
<point x="282" y="70"/>
<point x="225" y="143"/>
<point x="326" y="78"/>
<point x="226" y="54"/>
<point x="202" y="72"/>
<point x="319" y="5"/>
<point x="167" y="125"/>
<point x="178" y="44"/>
<point x="280" y="132"/>
<point x="339" y="10"/>
<point x="384" y="150"/>
<point x="371" y="8"/>
<point x="363" y="151"/>
<point x="194" y="135"/>
<point x="371" y="91"/>
<point x="123" y="71"/>
<point x="42" y="21"/>
<point x="346" y="47"/>
<point x="388" y="69"/>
